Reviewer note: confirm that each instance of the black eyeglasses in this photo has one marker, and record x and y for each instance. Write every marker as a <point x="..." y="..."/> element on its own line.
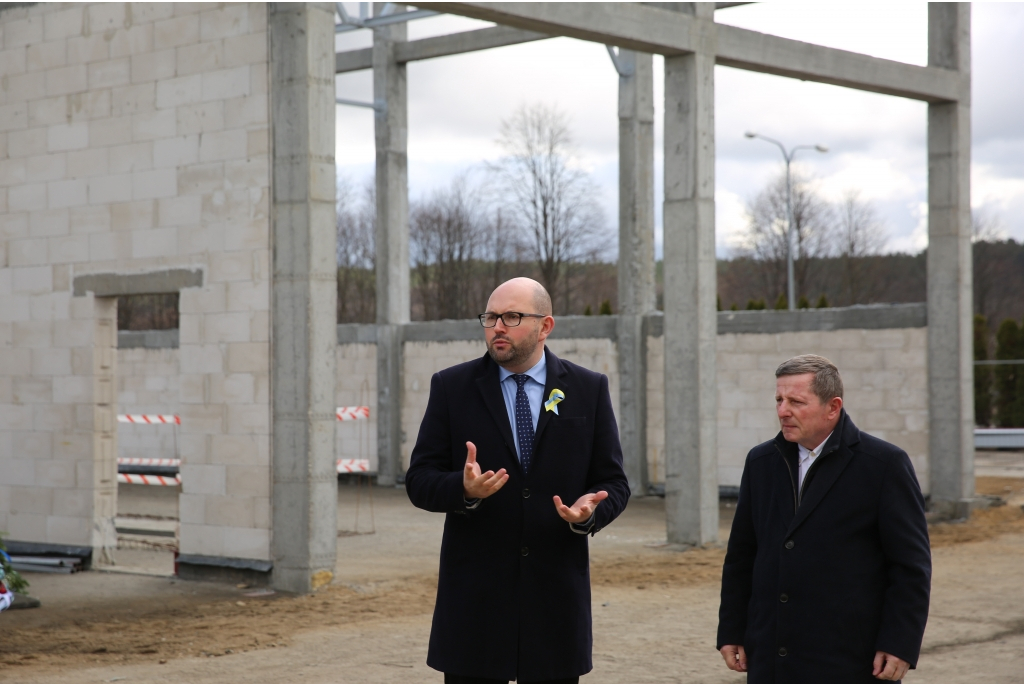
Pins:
<point x="510" y="319"/>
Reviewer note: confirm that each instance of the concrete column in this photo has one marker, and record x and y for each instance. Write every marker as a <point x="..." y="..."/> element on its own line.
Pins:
<point x="392" y="242"/>
<point x="104" y="468"/>
<point x="950" y="340"/>
<point x="636" y="256"/>
<point x="691" y="480"/>
<point x="304" y="295"/>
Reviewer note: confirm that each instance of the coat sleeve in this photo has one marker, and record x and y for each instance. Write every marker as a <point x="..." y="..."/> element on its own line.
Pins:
<point x="738" y="571"/>
<point x="903" y="532"/>
<point x="605" y="471"/>
<point x="431" y="482"/>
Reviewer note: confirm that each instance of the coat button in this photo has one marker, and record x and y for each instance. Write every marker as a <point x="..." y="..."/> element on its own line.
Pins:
<point x="783" y="598"/>
<point x="526" y="493"/>
<point x="783" y="651"/>
<point x="790" y="544"/>
<point x="525" y="551"/>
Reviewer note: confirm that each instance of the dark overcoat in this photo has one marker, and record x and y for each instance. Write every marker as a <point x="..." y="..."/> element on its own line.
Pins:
<point x="513" y="593"/>
<point x="817" y="580"/>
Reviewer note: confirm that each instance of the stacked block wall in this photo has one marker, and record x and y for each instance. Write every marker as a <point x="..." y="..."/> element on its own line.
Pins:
<point x="135" y="137"/>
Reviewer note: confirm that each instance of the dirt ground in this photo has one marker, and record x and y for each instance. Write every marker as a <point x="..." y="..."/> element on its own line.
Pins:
<point x="655" y="608"/>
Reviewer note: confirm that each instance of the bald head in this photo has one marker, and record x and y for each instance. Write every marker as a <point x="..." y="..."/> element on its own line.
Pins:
<point x="523" y="289"/>
<point x="520" y="346"/>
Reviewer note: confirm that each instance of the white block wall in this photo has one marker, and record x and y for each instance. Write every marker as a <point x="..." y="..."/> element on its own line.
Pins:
<point x="884" y="373"/>
<point x="135" y="137"/>
<point x="884" y="377"/>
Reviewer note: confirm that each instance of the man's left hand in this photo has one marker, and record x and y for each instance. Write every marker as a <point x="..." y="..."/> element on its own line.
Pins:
<point x="889" y="667"/>
<point x="583" y="509"/>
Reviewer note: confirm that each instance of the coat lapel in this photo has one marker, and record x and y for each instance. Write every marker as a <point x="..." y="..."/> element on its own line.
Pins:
<point x="785" y="494"/>
<point x="490" y="391"/>
<point x="834" y="459"/>
<point x="556" y="371"/>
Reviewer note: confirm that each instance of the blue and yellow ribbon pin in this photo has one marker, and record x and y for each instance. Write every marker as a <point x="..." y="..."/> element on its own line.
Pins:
<point x="554" y="398"/>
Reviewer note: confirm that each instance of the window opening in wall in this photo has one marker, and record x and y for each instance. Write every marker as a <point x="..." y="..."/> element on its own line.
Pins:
<point x="147" y="312"/>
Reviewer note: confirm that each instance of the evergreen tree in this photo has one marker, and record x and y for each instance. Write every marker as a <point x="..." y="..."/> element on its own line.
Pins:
<point x="606" y="308"/>
<point x="982" y="374"/>
<point x="1010" y="399"/>
<point x="782" y="302"/>
<point x="802" y="303"/>
<point x="822" y="302"/>
<point x="587" y="311"/>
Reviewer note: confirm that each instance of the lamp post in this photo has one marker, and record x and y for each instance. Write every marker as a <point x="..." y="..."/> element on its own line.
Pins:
<point x="790" y="233"/>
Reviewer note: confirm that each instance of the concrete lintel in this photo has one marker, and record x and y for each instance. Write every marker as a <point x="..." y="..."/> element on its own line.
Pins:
<point x="148" y="283"/>
<point x="151" y="340"/>
<point x="439" y="46"/>
<point x="664" y="32"/>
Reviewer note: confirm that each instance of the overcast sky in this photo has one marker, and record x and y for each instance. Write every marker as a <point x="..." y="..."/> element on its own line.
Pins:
<point x="876" y="142"/>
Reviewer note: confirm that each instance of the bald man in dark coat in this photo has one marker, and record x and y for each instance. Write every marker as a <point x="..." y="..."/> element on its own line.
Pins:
<point x="504" y="440"/>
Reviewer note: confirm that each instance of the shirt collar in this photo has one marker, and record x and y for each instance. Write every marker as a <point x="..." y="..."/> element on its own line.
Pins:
<point x="539" y="372"/>
<point x="804" y="452"/>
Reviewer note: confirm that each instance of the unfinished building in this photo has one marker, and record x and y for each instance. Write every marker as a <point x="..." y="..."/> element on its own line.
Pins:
<point x="188" y="148"/>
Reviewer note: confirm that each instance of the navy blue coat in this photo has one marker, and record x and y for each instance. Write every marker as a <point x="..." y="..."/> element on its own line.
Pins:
<point x="513" y="593"/>
<point x="815" y="582"/>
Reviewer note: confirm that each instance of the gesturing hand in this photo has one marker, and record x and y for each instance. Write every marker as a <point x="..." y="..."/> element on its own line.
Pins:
<point x="583" y="509"/>
<point x="478" y="485"/>
<point x="889" y="667"/>
<point x="735" y="657"/>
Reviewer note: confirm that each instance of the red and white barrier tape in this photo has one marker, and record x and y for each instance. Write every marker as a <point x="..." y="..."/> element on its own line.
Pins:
<point x="155" y="419"/>
<point x="352" y="413"/>
<point x="139" y="479"/>
<point x="353" y="465"/>
<point x="143" y="461"/>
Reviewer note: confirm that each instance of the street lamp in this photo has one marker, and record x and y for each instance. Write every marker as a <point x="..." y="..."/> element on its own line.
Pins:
<point x="790" y="233"/>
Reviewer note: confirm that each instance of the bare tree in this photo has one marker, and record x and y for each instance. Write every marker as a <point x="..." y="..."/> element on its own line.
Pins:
<point x="858" y="233"/>
<point x="445" y="238"/>
<point x="356" y="250"/>
<point x="986" y="226"/>
<point x="766" y="242"/>
<point x="548" y="197"/>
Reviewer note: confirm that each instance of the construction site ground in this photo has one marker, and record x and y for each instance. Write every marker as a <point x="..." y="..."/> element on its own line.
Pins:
<point x="655" y="606"/>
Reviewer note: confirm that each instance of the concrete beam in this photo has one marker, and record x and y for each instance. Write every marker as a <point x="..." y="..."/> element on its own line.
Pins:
<point x="303" y="295"/>
<point x="148" y="283"/>
<point x="660" y="31"/>
<point x="392" y="242"/>
<point x="691" y="402"/>
<point x="950" y="338"/>
<point x="439" y="46"/>
<point x="636" y="256"/>
<point x="753" y="51"/>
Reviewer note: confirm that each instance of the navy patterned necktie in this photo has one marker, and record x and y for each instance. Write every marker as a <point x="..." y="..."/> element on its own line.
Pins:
<point x="524" y="422"/>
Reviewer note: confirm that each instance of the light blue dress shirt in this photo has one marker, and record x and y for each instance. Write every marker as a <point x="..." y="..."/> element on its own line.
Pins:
<point x="534" y="388"/>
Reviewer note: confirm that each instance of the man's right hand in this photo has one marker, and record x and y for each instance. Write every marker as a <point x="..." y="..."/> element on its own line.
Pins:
<point x="735" y="657"/>
<point x="478" y="485"/>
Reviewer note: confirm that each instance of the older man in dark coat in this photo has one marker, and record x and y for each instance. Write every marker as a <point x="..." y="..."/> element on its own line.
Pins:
<point x="828" y="570"/>
<point x="503" y="440"/>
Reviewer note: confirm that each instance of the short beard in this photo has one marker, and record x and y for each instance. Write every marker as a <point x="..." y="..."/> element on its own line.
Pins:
<point x="516" y="355"/>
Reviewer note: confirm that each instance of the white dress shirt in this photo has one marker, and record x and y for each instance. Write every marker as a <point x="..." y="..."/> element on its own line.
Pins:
<point x="807" y="458"/>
